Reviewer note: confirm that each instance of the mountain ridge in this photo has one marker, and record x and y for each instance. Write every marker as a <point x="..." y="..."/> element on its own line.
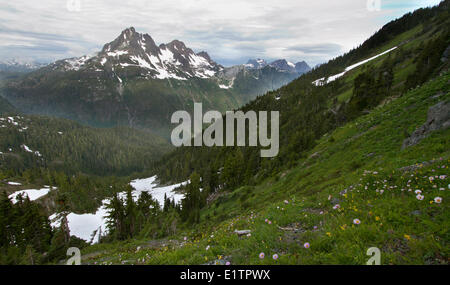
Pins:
<point x="133" y="81"/>
<point x="300" y="67"/>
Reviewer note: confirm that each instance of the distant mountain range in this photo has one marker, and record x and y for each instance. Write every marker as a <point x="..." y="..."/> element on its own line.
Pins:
<point x="135" y="82"/>
<point x="16" y="65"/>
<point x="280" y="64"/>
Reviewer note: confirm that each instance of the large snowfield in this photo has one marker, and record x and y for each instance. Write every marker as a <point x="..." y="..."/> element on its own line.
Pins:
<point x="33" y="194"/>
<point x="83" y="225"/>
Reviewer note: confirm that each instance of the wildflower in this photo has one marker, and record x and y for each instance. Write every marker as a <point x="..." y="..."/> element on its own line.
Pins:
<point x="408" y="237"/>
<point x="269" y="222"/>
<point x="228" y="263"/>
<point x="306" y="245"/>
<point x="208" y="247"/>
<point x="275" y="256"/>
<point x="335" y="207"/>
<point x="185" y="238"/>
<point x="420" y="197"/>
<point x="418" y="192"/>
<point x="356" y="221"/>
<point x="249" y="235"/>
<point x="377" y="218"/>
<point x="261" y="255"/>
<point x="286" y="201"/>
<point x="438" y="200"/>
<point x="328" y="234"/>
<point x="442" y="177"/>
<point x="266" y="220"/>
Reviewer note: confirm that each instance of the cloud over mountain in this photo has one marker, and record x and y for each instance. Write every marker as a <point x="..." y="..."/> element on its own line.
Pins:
<point x="231" y="31"/>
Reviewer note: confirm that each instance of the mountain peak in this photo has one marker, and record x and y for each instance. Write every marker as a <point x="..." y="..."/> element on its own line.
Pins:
<point x="302" y="67"/>
<point x="283" y="65"/>
<point x="136" y="54"/>
<point x="176" y="44"/>
<point x="204" y="54"/>
<point x="256" y="63"/>
<point x="130" y="30"/>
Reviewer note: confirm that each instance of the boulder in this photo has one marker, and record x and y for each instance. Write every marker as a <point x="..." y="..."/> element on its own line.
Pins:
<point x="438" y="118"/>
<point x="242" y="232"/>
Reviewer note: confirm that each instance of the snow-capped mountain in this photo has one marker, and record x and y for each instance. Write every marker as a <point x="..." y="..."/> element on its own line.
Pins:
<point x="283" y="65"/>
<point x="256" y="63"/>
<point x="136" y="54"/>
<point x="280" y="64"/>
<point x="18" y="65"/>
<point x="133" y="81"/>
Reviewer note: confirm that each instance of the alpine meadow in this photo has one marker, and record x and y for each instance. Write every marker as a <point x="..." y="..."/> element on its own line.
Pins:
<point x="130" y="153"/>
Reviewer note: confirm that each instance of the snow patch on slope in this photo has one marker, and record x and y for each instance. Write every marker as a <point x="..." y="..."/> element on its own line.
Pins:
<point x="33" y="194"/>
<point x="83" y="225"/>
<point x="322" y="81"/>
<point x="148" y="185"/>
<point x="76" y="63"/>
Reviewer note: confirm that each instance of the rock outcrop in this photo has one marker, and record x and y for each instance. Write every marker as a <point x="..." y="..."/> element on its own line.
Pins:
<point x="438" y="118"/>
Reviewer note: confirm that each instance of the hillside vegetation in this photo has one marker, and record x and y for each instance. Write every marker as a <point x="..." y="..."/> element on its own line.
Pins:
<point x="356" y="189"/>
<point x="29" y="142"/>
<point x="363" y="163"/>
<point x="347" y="177"/>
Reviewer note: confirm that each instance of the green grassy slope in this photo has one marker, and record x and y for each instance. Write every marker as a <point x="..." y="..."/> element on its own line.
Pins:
<point x="359" y="166"/>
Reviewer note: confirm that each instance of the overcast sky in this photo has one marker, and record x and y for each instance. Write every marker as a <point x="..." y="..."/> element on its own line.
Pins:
<point x="230" y="31"/>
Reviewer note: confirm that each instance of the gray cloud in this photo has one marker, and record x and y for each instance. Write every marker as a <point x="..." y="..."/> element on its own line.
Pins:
<point x="324" y="49"/>
<point x="230" y="31"/>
